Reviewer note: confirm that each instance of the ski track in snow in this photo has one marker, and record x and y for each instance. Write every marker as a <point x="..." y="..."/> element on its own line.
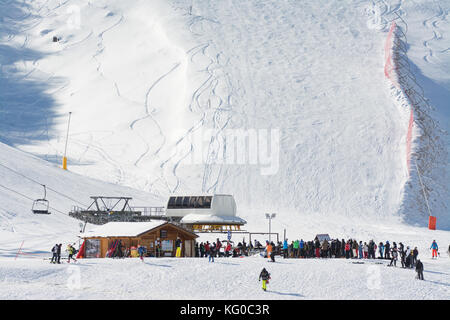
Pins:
<point x="148" y="115"/>
<point x="432" y="24"/>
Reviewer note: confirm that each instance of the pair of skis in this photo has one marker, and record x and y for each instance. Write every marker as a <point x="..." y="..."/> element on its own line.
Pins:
<point x="112" y="250"/>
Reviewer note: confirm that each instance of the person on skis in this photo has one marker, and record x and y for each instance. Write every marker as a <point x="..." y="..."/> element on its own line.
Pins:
<point x="265" y="277"/>
<point x="394" y="257"/>
<point x="141" y="250"/>
<point x="435" y="249"/>
<point x="419" y="270"/>
<point x="71" y="251"/>
<point x="54" y="254"/>
<point x="58" y="253"/>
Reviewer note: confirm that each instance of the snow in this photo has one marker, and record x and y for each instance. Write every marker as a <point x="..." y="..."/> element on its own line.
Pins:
<point x="122" y="229"/>
<point x="142" y="80"/>
<point x="226" y="278"/>
<point x="37" y="232"/>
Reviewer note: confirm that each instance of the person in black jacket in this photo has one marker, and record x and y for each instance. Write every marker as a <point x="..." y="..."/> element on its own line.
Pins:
<point x="317" y="247"/>
<point x="54" y="254"/>
<point x="419" y="270"/>
<point x="415" y="254"/>
<point x="58" y="253"/>
<point x="202" y="250"/>
<point x="387" y="250"/>
<point x="403" y="257"/>
<point x="212" y="252"/>
<point x="265" y="277"/>
<point x="338" y="249"/>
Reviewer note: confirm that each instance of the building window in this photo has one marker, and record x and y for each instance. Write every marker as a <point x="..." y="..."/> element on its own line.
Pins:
<point x="163" y="234"/>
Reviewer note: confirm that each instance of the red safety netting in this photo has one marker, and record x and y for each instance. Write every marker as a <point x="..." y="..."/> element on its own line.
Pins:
<point x="389" y="72"/>
<point x="388" y="62"/>
<point x="409" y="140"/>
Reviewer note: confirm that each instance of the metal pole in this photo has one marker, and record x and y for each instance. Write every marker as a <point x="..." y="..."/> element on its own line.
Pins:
<point x="270" y="220"/>
<point x="65" y="148"/>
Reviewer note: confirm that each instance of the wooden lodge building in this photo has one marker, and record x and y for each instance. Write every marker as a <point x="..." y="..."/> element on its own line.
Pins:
<point x="152" y="235"/>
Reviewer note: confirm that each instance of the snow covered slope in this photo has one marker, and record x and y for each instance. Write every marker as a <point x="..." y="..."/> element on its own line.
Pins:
<point x="226" y="278"/>
<point x="20" y="177"/>
<point x="142" y="78"/>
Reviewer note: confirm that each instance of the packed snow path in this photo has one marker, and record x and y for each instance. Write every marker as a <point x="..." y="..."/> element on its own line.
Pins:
<point x="226" y="278"/>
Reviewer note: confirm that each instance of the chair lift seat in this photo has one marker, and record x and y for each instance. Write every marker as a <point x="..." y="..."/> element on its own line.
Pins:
<point x="40" y="206"/>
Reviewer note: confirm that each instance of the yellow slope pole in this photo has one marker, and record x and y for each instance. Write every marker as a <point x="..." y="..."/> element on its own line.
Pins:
<point x="65" y="148"/>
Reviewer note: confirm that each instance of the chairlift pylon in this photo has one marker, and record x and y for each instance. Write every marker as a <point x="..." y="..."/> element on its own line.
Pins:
<point x="40" y="206"/>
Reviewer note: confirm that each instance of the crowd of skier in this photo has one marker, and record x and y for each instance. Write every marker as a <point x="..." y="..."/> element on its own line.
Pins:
<point x="332" y="248"/>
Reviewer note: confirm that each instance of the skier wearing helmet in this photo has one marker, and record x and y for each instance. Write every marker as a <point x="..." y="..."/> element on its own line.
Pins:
<point x="265" y="277"/>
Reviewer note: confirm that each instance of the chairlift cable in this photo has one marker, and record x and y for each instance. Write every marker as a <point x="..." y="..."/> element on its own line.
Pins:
<point x="22" y="195"/>
<point x="55" y="191"/>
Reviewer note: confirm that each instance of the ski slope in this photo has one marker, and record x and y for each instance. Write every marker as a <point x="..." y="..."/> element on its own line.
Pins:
<point x="335" y="157"/>
<point x="225" y="279"/>
<point x="143" y="79"/>
<point x="21" y="176"/>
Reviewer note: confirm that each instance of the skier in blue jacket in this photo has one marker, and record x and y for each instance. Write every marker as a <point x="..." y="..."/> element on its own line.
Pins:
<point x="435" y="249"/>
<point x="141" y="251"/>
<point x="381" y="249"/>
<point x="302" y="247"/>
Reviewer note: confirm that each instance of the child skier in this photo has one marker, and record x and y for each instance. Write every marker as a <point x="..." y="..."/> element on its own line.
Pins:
<point x="265" y="277"/>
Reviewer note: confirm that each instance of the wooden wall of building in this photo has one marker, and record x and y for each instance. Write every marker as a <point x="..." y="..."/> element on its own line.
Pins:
<point x="162" y="235"/>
